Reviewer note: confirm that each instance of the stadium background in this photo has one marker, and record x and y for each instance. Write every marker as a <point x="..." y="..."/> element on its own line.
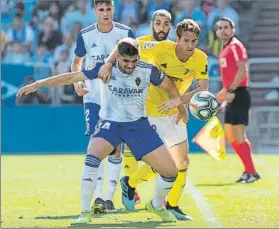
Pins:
<point x="52" y="121"/>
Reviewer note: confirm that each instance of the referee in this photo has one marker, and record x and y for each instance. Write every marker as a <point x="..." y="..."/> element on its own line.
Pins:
<point x="233" y="67"/>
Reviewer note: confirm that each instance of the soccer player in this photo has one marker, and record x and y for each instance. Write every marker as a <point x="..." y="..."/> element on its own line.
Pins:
<point x="94" y="43"/>
<point x="160" y="24"/>
<point x="233" y="67"/>
<point x="123" y="118"/>
<point x="183" y="62"/>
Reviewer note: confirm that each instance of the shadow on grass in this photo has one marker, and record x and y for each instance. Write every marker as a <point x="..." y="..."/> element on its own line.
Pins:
<point x="130" y="224"/>
<point x="119" y="212"/>
<point x="215" y="185"/>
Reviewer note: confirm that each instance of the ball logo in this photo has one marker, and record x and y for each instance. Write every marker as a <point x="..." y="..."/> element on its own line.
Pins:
<point x="137" y="81"/>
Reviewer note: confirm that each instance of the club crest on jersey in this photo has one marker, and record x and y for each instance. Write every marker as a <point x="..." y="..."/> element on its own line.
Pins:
<point x="91" y="66"/>
<point x="137" y="81"/>
<point x="186" y="71"/>
<point x="148" y="45"/>
<point x="223" y="62"/>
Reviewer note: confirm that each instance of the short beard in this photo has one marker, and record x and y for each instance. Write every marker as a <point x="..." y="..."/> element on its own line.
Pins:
<point x="157" y="38"/>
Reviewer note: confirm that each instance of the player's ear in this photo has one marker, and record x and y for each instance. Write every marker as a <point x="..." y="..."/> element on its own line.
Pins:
<point x="151" y="25"/>
<point x="177" y="39"/>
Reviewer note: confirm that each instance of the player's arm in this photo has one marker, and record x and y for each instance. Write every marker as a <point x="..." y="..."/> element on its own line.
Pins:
<point x="76" y="65"/>
<point x="60" y="80"/>
<point x="201" y="77"/>
<point x="240" y="56"/>
<point x="149" y="49"/>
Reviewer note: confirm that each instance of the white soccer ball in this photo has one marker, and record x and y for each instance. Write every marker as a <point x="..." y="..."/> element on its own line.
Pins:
<point x="203" y="105"/>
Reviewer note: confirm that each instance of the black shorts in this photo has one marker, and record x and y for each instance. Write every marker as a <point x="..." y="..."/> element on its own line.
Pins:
<point x="237" y="112"/>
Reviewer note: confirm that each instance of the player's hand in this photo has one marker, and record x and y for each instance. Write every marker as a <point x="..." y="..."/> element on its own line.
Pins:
<point x="184" y="117"/>
<point x="221" y="95"/>
<point x="80" y="88"/>
<point x="186" y="98"/>
<point x="105" y="72"/>
<point x="230" y="97"/>
<point x="30" y="88"/>
<point x="169" y="105"/>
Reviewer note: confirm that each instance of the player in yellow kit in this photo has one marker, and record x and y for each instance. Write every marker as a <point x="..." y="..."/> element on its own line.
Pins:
<point x="160" y="25"/>
<point x="183" y="63"/>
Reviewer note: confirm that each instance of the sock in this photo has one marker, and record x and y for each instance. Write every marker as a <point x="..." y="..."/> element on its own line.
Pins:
<point x="99" y="185"/>
<point x="144" y="173"/>
<point x="236" y="148"/>
<point x="88" y="180"/>
<point x="246" y="151"/>
<point x="178" y="188"/>
<point x="130" y="163"/>
<point x="114" y="169"/>
<point x="162" y="188"/>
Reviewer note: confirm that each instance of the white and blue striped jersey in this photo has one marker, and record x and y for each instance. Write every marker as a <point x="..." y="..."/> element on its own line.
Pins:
<point x="123" y="98"/>
<point x="96" y="46"/>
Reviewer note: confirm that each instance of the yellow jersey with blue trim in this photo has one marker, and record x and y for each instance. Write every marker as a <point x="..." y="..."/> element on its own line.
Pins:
<point x="162" y="54"/>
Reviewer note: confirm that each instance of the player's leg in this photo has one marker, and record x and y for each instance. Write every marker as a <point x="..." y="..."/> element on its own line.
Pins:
<point x="236" y="119"/>
<point x="130" y="163"/>
<point x="114" y="170"/>
<point x="149" y="148"/>
<point x="145" y="172"/>
<point x="177" y="141"/>
<point x="91" y="111"/>
<point x="245" y="149"/>
<point x="105" y="140"/>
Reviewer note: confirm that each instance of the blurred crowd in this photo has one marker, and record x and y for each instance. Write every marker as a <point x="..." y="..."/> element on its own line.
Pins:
<point x="44" y="31"/>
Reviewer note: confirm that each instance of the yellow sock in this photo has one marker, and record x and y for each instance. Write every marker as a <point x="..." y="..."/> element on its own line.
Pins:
<point x="130" y="163"/>
<point x="144" y="173"/>
<point x="177" y="189"/>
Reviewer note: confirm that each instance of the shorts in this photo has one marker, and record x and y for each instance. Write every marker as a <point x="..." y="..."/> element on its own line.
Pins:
<point x="171" y="133"/>
<point x="139" y="136"/>
<point x="91" y="113"/>
<point x="237" y="112"/>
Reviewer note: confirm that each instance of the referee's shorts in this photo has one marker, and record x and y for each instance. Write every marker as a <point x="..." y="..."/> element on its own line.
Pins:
<point x="237" y="112"/>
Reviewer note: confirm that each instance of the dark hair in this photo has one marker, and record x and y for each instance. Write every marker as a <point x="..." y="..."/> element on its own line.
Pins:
<point x="18" y="15"/>
<point x="107" y="2"/>
<point x="232" y="25"/>
<point x="128" y="46"/>
<point x="187" y="25"/>
<point x="161" y="13"/>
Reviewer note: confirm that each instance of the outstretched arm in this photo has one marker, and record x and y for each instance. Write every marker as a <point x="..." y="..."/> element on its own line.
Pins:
<point x="54" y="81"/>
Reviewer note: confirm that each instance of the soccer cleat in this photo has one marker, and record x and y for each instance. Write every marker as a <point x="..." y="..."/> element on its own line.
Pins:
<point x="251" y="178"/>
<point x="128" y="194"/>
<point x="98" y="207"/>
<point x="178" y="213"/>
<point x="110" y="207"/>
<point x="137" y="198"/>
<point x="163" y="213"/>
<point x="85" y="217"/>
<point x="242" y="178"/>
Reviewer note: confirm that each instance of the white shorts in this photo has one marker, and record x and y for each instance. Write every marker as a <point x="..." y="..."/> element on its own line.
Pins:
<point x="170" y="132"/>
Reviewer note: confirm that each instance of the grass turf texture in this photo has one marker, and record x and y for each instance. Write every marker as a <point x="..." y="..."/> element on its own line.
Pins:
<point x="44" y="191"/>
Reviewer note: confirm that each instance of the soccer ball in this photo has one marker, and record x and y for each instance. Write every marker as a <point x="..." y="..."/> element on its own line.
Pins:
<point x="203" y="105"/>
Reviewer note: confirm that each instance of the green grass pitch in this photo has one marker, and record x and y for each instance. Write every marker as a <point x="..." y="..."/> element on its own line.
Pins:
<point x="44" y="191"/>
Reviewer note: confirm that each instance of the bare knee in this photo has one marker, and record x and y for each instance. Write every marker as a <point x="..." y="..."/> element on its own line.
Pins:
<point x="170" y="171"/>
<point x="183" y="164"/>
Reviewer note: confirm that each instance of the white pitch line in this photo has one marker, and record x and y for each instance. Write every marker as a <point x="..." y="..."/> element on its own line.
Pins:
<point x="203" y="205"/>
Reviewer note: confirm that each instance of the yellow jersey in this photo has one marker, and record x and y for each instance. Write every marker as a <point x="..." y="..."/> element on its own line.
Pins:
<point x="162" y="55"/>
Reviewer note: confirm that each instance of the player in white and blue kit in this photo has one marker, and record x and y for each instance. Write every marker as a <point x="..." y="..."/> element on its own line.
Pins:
<point x="123" y="118"/>
<point x="94" y="43"/>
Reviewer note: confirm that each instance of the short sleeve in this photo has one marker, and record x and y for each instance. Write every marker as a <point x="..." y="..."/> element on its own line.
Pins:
<point x="156" y="76"/>
<point x="80" y="50"/>
<point x="93" y="73"/>
<point x="149" y="50"/>
<point x="202" y="67"/>
<point x="239" y="52"/>
<point x="131" y="34"/>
